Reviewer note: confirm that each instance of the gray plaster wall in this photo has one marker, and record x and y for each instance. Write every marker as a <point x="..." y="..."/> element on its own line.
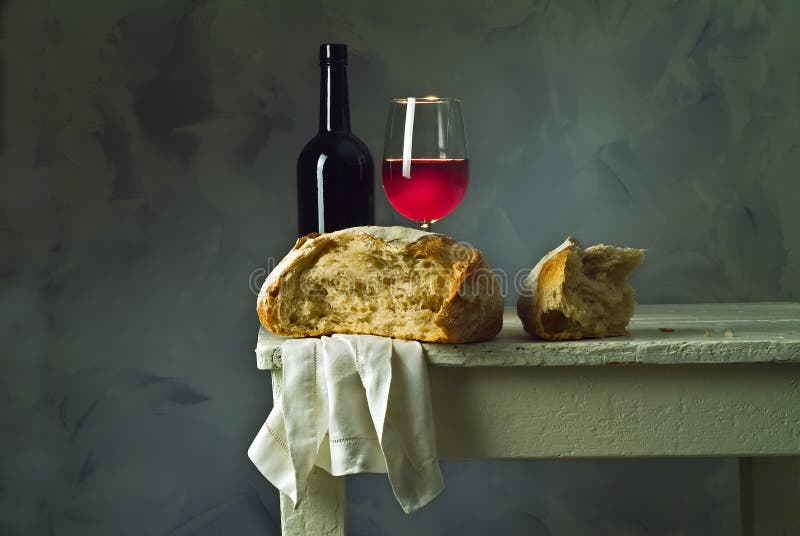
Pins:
<point x="147" y="171"/>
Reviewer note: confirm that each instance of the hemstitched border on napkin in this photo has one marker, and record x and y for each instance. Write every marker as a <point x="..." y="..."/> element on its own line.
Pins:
<point x="353" y="439"/>
<point x="357" y="357"/>
<point x="276" y="437"/>
<point x="314" y="395"/>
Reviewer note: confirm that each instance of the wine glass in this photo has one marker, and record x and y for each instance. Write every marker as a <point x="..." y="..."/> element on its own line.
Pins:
<point x="425" y="163"/>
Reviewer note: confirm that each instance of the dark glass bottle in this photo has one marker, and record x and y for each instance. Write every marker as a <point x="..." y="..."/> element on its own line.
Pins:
<point x="335" y="173"/>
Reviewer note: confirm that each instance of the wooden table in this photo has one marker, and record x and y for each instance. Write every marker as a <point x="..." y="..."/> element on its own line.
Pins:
<point x="724" y="382"/>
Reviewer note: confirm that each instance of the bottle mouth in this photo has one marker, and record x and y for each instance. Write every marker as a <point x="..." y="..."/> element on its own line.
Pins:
<point x="431" y="99"/>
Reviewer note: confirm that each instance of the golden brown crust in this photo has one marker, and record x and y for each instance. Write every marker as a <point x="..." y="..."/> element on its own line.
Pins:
<point x="269" y="292"/>
<point x="551" y="280"/>
<point x="463" y="317"/>
<point x="461" y="320"/>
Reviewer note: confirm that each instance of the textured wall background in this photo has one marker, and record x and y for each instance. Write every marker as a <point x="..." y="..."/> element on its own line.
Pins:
<point x="147" y="169"/>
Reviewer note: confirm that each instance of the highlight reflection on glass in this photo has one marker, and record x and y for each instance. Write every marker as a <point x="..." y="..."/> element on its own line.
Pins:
<point x="425" y="162"/>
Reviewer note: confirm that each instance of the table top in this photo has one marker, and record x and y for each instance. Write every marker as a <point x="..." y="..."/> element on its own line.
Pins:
<point x="720" y="333"/>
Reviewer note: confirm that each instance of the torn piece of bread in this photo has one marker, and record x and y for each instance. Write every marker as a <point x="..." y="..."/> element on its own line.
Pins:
<point x="576" y="293"/>
<point x="390" y="281"/>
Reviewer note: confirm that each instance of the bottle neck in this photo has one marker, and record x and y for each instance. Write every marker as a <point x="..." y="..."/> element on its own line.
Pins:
<point x="334" y="109"/>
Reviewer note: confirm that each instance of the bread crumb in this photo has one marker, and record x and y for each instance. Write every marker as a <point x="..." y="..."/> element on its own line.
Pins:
<point x="666" y="330"/>
<point x="729" y="333"/>
<point x="708" y="333"/>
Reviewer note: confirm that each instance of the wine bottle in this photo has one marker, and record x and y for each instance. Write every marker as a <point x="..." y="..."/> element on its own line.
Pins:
<point x="335" y="172"/>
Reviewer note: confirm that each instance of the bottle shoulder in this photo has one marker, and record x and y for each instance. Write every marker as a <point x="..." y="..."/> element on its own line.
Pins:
<point x="335" y="144"/>
<point x="334" y="140"/>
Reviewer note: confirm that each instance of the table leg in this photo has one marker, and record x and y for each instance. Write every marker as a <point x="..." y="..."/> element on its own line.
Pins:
<point x="770" y="496"/>
<point x="322" y="510"/>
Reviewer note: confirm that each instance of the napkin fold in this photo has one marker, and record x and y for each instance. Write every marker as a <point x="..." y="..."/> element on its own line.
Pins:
<point x="352" y="404"/>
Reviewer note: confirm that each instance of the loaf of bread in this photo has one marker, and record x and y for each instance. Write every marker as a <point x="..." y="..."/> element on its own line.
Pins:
<point x="576" y="293"/>
<point x="390" y="281"/>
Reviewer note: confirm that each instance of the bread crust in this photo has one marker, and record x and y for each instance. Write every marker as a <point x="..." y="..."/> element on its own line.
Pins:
<point x="464" y="315"/>
<point x="547" y="276"/>
<point x="544" y="294"/>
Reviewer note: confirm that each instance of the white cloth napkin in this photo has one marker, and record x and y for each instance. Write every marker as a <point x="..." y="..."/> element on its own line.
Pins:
<point x="352" y="404"/>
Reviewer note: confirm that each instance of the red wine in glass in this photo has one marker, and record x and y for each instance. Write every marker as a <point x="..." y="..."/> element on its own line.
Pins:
<point x="433" y="188"/>
<point x="425" y="162"/>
